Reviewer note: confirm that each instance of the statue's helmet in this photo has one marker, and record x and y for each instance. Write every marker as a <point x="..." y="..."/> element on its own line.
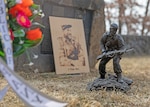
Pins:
<point x="114" y="25"/>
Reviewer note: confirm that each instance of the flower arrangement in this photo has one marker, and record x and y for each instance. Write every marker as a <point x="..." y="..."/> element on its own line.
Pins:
<point x="24" y="31"/>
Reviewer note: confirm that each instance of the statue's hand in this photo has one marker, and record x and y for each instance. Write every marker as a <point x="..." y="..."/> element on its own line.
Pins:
<point x="104" y="54"/>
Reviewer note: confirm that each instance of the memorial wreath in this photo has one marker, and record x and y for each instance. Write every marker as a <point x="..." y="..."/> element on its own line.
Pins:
<point x="24" y="31"/>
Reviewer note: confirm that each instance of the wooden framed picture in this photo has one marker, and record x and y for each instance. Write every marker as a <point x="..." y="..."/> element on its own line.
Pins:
<point x="69" y="46"/>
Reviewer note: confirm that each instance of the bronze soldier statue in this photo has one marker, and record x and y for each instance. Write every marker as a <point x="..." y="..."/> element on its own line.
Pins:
<point x="111" y="41"/>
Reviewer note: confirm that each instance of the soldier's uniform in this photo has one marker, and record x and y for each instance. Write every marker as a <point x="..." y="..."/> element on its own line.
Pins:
<point x="110" y="43"/>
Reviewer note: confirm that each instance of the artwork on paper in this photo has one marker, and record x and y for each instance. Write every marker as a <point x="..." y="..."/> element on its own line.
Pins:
<point x="69" y="46"/>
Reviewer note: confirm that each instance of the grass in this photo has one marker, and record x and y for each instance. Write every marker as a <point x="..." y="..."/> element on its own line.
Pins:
<point x="72" y="88"/>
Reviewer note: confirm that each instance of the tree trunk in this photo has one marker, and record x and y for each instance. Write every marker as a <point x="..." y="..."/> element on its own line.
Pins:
<point x="146" y="12"/>
<point x="121" y="14"/>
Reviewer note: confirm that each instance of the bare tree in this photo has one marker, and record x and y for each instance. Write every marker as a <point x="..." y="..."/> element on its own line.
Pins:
<point x="128" y="16"/>
<point x="145" y="19"/>
<point x="121" y="13"/>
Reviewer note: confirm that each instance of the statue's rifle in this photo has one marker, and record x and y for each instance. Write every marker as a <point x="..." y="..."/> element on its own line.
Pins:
<point x="112" y="53"/>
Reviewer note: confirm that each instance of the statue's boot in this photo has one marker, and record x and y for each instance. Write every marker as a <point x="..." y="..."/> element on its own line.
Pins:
<point x="119" y="78"/>
<point x="102" y="75"/>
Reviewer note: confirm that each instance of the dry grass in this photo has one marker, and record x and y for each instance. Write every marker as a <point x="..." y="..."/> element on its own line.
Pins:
<point x="72" y="88"/>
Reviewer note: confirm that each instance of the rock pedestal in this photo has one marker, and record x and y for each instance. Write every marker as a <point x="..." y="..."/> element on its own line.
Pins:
<point x="110" y="83"/>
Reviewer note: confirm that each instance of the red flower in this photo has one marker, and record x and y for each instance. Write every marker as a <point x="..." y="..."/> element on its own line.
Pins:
<point x="34" y="34"/>
<point x="19" y="8"/>
<point x="11" y="35"/>
<point x="23" y="20"/>
<point x="27" y="3"/>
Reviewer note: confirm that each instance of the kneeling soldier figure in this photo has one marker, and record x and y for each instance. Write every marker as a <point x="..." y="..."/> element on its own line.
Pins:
<point x="111" y="41"/>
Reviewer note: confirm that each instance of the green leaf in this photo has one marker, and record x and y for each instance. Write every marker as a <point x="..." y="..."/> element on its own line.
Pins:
<point x="19" y="33"/>
<point x="29" y="43"/>
<point x="18" y="49"/>
<point x="35" y="6"/>
<point x="2" y="54"/>
<point x="11" y="3"/>
<point x="38" y="24"/>
<point x="13" y="24"/>
<point x="33" y="17"/>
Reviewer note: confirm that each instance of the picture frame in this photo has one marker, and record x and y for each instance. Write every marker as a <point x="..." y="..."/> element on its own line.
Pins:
<point x="69" y="45"/>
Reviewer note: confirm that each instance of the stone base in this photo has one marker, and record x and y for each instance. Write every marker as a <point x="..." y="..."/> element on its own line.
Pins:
<point x="110" y="83"/>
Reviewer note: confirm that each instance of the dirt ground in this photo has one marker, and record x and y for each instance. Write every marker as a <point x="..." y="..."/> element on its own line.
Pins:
<point x="72" y="88"/>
